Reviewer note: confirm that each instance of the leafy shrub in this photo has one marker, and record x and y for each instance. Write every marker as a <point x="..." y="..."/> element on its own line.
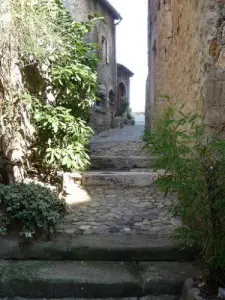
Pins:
<point x="133" y="122"/>
<point x="147" y="136"/>
<point x="194" y="170"/>
<point x="30" y="208"/>
<point x="61" y="139"/>
<point x="58" y="77"/>
<point x="124" y="106"/>
<point x="130" y="117"/>
<point x="62" y="133"/>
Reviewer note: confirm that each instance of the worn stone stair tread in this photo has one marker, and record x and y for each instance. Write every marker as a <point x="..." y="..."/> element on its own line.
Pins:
<point x="166" y="277"/>
<point x="129" y="248"/>
<point x="122" y="178"/>
<point x="92" y="247"/>
<point x="152" y="297"/>
<point x="120" y="172"/>
<point x="132" y="148"/>
<point x="57" y="279"/>
<point x="51" y="279"/>
<point x="119" y="162"/>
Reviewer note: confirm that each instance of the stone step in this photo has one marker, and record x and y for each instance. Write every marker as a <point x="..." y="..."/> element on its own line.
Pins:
<point x="160" y="297"/>
<point x="94" y="248"/>
<point x="62" y="279"/>
<point x="120" y="162"/>
<point x="118" y="148"/>
<point x="121" y="178"/>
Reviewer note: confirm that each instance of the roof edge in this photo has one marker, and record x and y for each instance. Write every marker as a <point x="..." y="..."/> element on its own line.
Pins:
<point x="115" y="14"/>
<point x="125" y="69"/>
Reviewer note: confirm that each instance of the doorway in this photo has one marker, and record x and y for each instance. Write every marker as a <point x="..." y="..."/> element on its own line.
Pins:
<point x="121" y="99"/>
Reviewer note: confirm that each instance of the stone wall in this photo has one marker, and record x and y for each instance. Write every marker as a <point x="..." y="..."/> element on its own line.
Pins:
<point x="123" y="91"/>
<point x="101" y="119"/>
<point x="186" y="57"/>
<point x="104" y="34"/>
<point x="124" y="77"/>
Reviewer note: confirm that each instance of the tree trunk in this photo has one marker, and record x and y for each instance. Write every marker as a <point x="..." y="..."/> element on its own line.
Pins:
<point x="15" y="127"/>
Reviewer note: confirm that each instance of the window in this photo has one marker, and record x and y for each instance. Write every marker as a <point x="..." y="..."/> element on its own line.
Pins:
<point x="112" y="97"/>
<point x="101" y="46"/>
<point x="103" y="49"/>
<point x="107" y="51"/>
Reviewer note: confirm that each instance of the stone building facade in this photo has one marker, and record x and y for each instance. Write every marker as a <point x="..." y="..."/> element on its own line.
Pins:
<point x="123" y="87"/>
<point x="187" y="58"/>
<point x="104" y="35"/>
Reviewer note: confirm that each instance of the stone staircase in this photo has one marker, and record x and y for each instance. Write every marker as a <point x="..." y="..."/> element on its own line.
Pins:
<point x="119" y="162"/>
<point x="95" y="267"/>
<point x="123" y="248"/>
<point x="132" y="178"/>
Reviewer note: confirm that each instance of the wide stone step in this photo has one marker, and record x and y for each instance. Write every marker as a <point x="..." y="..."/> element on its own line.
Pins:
<point x="62" y="279"/>
<point x="151" y="297"/>
<point x="118" y="148"/>
<point x="120" y="162"/>
<point x="94" y="248"/>
<point x="160" y="297"/>
<point x="129" y="179"/>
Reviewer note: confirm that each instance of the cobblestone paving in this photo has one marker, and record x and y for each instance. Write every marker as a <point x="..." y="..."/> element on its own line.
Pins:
<point x="118" y="148"/>
<point x="124" y="142"/>
<point x="126" y="134"/>
<point x="121" y="210"/>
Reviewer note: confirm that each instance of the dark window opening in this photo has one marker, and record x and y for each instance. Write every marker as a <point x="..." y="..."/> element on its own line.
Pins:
<point x="112" y="96"/>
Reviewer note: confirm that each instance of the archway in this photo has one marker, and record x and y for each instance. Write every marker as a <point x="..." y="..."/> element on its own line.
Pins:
<point x="121" y="98"/>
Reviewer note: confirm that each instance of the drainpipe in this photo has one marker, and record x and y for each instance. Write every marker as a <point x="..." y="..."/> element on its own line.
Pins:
<point x="119" y="21"/>
<point x="113" y="114"/>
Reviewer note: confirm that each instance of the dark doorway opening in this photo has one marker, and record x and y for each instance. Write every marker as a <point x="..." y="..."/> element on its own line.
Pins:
<point x="121" y="99"/>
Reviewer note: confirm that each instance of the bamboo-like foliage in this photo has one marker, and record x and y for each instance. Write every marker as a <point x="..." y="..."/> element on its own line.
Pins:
<point x="194" y="170"/>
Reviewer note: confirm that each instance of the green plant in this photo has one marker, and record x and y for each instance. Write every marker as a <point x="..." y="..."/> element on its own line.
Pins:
<point x="163" y="96"/>
<point x="61" y="139"/>
<point x="133" y="122"/>
<point x="147" y="136"/>
<point x="129" y="114"/>
<point x="74" y="76"/>
<point x="62" y="133"/>
<point x="194" y="170"/>
<point x="29" y="208"/>
<point x="55" y="69"/>
<point x="124" y="106"/>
